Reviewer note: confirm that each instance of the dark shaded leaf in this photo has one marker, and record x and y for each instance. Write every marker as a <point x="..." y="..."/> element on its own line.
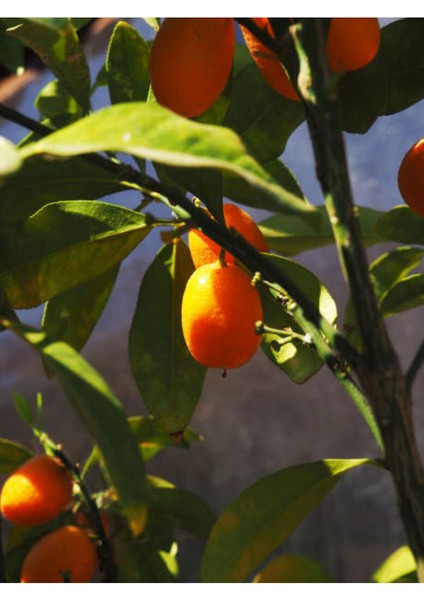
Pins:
<point x="408" y="293"/>
<point x="401" y="224"/>
<point x="12" y="455"/>
<point x="169" y="379"/>
<point x="72" y="316"/>
<point x="11" y="51"/>
<point x="152" y="438"/>
<point x="290" y="568"/>
<point x="40" y="181"/>
<point x="290" y="235"/>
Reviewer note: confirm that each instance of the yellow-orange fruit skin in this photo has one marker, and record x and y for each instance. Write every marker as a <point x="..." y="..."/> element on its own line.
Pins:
<point x="219" y="310"/>
<point x="190" y="63"/>
<point x="411" y="178"/>
<point x="36" y="492"/>
<point x="204" y="250"/>
<point x="65" y="550"/>
<point x="352" y="43"/>
<point x="267" y="61"/>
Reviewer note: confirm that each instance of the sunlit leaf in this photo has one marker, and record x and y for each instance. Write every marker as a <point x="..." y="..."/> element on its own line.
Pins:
<point x="398" y="567"/>
<point x="264" y="515"/>
<point x="408" y="293"/>
<point x="63" y="245"/>
<point x="104" y="418"/>
<point x="10" y="160"/>
<point x="153" y="132"/>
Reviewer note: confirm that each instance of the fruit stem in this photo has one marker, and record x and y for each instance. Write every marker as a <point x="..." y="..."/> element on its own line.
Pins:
<point x="378" y="367"/>
<point x="221" y="258"/>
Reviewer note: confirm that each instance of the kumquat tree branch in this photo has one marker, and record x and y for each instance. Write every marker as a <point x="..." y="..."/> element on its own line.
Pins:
<point x="378" y="366"/>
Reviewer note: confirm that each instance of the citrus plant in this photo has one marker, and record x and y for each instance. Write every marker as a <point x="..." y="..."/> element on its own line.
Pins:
<point x="199" y="115"/>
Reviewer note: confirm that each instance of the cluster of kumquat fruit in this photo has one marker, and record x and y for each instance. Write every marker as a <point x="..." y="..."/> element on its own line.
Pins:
<point x="35" y="493"/>
<point x="192" y="58"/>
<point x="220" y="306"/>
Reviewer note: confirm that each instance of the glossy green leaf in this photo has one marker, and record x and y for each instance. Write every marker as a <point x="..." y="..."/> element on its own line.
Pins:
<point x="264" y="516"/>
<point x="40" y="181"/>
<point x="290" y="235"/>
<point x="401" y="56"/>
<point x="400" y="567"/>
<point x="57" y="105"/>
<point x="104" y="418"/>
<point x="186" y="510"/>
<point x="263" y="118"/>
<point x="362" y="97"/>
<point x="152" y="438"/>
<point x="239" y="190"/>
<point x="169" y="379"/>
<point x="10" y="161"/>
<point x="408" y="293"/>
<point x="291" y="568"/>
<point x="387" y="270"/>
<point x="63" y="245"/>
<point x="24" y="409"/>
<point x="12" y="55"/>
<point x="401" y="224"/>
<point x="298" y="359"/>
<point x="12" y="455"/>
<point x="152" y="132"/>
<point x="127" y="65"/>
<point x="72" y="316"/>
<point x="56" y="43"/>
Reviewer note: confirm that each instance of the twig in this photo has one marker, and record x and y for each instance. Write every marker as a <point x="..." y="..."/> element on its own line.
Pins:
<point x="414" y="367"/>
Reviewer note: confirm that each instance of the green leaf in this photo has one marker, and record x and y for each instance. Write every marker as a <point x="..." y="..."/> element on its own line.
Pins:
<point x="152" y="438"/>
<point x="12" y="455"/>
<point x="152" y="132"/>
<point x="72" y="316"/>
<point x="103" y="417"/>
<point x="127" y="65"/>
<point x="205" y="184"/>
<point x="401" y="224"/>
<point x="40" y="181"/>
<point x="24" y="409"/>
<point x="402" y="58"/>
<point x="362" y="96"/>
<point x="237" y="189"/>
<point x="290" y="235"/>
<point x="293" y="569"/>
<point x="387" y="270"/>
<point x="57" y="105"/>
<point x="169" y="379"/>
<point x="400" y="566"/>
<point x="12" y="55"/>
<point x="263" y="118"/>
<point x="297" y="359"/>
<point x="10" y="161"/>
<point x="264" y="516"/>
<point x="186" y="510"/>
<point x="153" y="22"/>
<point x="405" y="295"/>
<point x="63" y="245"/>
<point x="56" y="43"/>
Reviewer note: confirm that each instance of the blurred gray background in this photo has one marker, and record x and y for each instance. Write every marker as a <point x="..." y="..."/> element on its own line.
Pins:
<point x="255" y="421"/>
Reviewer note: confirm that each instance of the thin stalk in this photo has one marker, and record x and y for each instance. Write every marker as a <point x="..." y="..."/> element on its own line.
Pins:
<point x="414" y="367"/>
<point x="378" y="368"/>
